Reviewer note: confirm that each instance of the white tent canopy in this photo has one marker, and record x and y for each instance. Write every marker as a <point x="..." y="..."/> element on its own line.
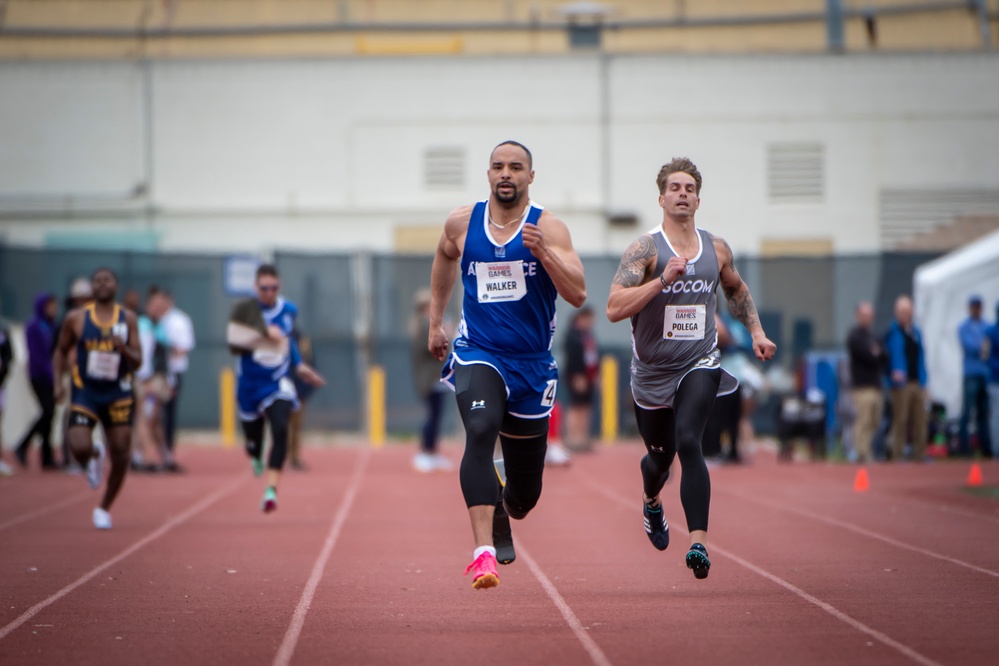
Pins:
<point x="941" y="289"/>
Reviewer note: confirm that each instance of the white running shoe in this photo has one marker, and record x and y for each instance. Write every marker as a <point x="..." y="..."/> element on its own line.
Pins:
<point x="424" y="462"/>
<point x="95" y="469"/>
<point x="102" y="519"/>
<point x="557" y="456"/>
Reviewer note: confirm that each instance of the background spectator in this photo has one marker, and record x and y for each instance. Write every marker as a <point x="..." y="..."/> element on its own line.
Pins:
<point x="40" y="338"/>
<point x="428" y="385"/>
<point x="992" y="345"/>
<point x="582" y="365"/>
<point x="906" y="359"/>
<point x="867" y="358"/>
<point x="727" y="410"/>
<point x="304" y="390"/>
<point x="6" y="358"/>
<point x="975" y="397"/>
<point x="176" y="330"/>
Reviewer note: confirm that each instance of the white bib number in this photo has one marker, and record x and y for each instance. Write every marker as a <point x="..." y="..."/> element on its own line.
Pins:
<point x="684" y="322"/>
<point x="500" y="281"/>
<point x="103" y="365"/>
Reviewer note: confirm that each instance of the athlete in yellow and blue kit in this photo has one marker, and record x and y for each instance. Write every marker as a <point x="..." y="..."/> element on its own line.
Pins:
<point x="515" y="259"/>
<point x="105" y="338"/>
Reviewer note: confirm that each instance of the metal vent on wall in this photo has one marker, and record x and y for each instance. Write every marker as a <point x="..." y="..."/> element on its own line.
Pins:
<point x="796" y="172"/>
<point x="905" y="214"/>
<point x="444" y="168"/>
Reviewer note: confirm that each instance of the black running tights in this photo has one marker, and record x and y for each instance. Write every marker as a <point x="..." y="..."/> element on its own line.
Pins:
<point x="279" y="416"/>
<point x="481" y="396"/>
<point x="678" y="431"/>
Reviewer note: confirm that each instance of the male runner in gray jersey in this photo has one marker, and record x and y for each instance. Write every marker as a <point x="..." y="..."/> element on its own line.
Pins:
<point x="666" y="283"/>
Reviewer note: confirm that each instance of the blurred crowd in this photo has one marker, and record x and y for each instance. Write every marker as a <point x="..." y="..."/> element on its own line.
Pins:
<point x="889" y="415"/>
<point x="167" y="339"/>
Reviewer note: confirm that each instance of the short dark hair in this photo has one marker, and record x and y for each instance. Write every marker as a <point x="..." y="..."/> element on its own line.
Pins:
<point x="267" y="269"/>
<point x="511" y="142"/>
<point x="678" y="165"/>
<point x="103" y="269"/>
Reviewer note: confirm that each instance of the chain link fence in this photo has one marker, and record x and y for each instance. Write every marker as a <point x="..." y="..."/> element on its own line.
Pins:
<point x="357" y="310"/>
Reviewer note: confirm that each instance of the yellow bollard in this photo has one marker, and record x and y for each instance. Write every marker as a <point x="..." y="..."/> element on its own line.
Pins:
<point x="376" y="406"/>
<point x="227" y="407"/>
<point x="608" y="399"/>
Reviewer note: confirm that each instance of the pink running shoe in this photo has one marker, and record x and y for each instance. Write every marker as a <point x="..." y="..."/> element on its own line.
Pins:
<point x="483" y="571"/>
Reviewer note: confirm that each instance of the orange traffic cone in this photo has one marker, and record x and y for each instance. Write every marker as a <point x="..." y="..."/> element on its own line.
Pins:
<point x="862" y="483"/>
<point x="975" y="475"/>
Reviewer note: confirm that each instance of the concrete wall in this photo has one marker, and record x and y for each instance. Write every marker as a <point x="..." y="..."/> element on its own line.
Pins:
<point x="327" y="154"/>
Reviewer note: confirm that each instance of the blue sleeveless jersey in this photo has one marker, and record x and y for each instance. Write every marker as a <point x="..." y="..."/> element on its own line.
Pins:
<point x="509" y="302"/>
<point x="260" y="374"/>
<point x="99" y="366"/>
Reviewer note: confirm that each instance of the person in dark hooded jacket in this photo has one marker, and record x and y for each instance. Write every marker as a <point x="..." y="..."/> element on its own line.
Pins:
<point x="39" y="336"/>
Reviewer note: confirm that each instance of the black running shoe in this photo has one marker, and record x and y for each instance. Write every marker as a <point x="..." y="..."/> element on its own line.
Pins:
<point x="698" y="562"/>
<point x="656" y="526"/>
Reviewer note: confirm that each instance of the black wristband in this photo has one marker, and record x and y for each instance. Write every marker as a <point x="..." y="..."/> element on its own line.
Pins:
<point x="663" y="280"/>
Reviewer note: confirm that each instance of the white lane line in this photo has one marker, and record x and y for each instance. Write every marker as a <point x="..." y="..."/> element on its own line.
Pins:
<point x="828" y="608"/>
<point x="144" y="541"/>
<point x="596" y="654"/>
<point x="287" y="649"/>
<point x="69" y="501"/>
<point x="862" y="531"/>
<point x="906" y="501"/>
<point x="836" y="613"/>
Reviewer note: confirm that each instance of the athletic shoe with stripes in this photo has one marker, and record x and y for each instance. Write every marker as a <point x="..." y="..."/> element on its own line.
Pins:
<point x="656" y="526"/>
<point x="698" y="562"/>
<point x="483" y="571"/>
<point x="269" y="502"/>
<point x="502" y="534"/>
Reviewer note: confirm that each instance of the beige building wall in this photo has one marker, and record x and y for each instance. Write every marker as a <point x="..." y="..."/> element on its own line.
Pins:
<point x="371" y="27"/>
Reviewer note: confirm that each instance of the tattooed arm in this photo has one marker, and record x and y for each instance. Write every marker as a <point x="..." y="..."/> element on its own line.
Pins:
<point x="634" y="285"/>
<point x="740" y="301"/>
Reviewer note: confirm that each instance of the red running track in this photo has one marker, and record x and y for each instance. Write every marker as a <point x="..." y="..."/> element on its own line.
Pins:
<point x="363" y="562"/>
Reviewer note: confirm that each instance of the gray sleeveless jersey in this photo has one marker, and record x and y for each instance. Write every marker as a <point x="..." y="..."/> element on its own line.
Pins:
<point x="675" y="331"/>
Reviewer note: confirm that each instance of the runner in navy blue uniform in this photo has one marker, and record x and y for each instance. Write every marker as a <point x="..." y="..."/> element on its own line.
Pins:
<point x="103" y="338"/>
<point x="515" y="259"/>
<point x="666" y="283"/>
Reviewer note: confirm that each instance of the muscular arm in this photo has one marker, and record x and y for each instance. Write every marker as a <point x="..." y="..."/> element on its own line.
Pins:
<point x="443" y="275"/>
<point x="554" y="249"/>
<point x="740" y="301"/>
<point x="631" y="288"/>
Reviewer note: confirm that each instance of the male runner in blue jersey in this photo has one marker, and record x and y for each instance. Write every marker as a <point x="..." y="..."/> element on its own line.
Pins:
<point x="105" y="338"/>
<point x="515" y="258"/>
<point x="265" y="386"/>
<point x="666" y="283"/>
